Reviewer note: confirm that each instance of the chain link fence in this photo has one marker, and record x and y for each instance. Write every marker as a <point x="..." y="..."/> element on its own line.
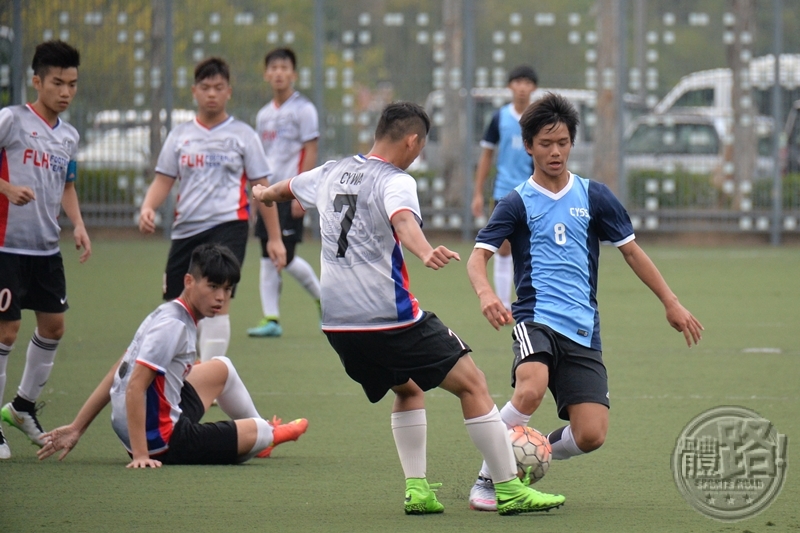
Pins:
<point x="699" y="124"/>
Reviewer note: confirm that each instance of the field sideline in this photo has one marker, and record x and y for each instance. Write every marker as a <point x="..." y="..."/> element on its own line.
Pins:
<point x="344" y="475"/>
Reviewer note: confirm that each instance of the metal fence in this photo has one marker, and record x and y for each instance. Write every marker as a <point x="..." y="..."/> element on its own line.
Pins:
<point x="698" y="82"/>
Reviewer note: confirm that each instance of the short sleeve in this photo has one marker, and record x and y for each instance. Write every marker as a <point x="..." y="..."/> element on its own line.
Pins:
<point x="309" y="123"/>
<point x="168" y="157"/>
<point x="400" y="194"/>
<point x="611" y="220"/>
<point x="162" y="342"/>
<point x="304" y="186"/>
<point x="492" y="134"/>
<point x="6" y="127"/>
<point x="255" y="161"/>
<point x="508" y="213"/>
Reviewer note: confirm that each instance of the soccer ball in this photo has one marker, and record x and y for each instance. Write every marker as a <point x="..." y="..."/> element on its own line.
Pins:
<point x="531" y="451"/>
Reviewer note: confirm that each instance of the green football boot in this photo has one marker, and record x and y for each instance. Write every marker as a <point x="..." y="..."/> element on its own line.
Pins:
<point x="514" y="498"/>
<point x="421" y="497"/>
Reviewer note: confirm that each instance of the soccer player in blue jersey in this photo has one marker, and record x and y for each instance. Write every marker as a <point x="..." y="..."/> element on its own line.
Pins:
<point x="513" y="166"/>
<point x="555" y="222"/>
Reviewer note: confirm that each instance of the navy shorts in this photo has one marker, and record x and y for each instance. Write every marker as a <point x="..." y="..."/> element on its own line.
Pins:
<point x="35" y="282"/>
<point x="193" y="443"/>
<point x="231" y="234"/>
<point x="577" y="374"/>
<point x="425" y="352"/>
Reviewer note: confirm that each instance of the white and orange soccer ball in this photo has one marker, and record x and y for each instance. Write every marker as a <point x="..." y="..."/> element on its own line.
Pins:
<point x="532" y="452"/>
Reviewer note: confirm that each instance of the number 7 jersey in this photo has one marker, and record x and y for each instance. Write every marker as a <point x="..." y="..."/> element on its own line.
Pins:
<point x="363" y="278"/>
<point x="555" y="243"/>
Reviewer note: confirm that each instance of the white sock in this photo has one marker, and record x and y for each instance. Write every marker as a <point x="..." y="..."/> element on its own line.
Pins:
<point x="213" y="336"/>
<point x="410" y="430"/>
<point x="4" y="351"/>
<point x="305" y="275"/>
<point x="511" y="417"/>
<point x="503" y="278"/>
<point x="38" y="364"/>
<point x="263" y="439"/>
<point x="490" y="436"/>
<point x="235" y="400"/>
<point x="269" y="284"/>
<point x="564" y="446"/>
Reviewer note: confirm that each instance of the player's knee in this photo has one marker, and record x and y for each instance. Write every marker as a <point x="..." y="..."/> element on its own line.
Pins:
<point x="589" y="441"/>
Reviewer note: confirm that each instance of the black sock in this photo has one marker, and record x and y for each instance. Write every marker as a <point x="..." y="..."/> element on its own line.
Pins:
<point x="21" y="404"/>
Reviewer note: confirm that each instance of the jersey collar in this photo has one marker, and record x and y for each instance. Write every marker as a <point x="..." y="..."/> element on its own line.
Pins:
<point x="58" y="119"/>
<point x="183" y="304"/>
<point x="553" y="195"/>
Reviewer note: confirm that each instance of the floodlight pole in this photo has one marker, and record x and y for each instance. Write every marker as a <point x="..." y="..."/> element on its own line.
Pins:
<point x="467" y="222"/>
<point x="17" y="71"/>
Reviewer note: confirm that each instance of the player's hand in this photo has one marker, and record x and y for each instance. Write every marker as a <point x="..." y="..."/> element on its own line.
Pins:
<point x="63" y="438"/>
<point x="297" y="210"/>
<point x="439" y="257"/>
<point x="82" y="241"/>
<point x="495" y="312"/>
<point x="144" y="462"/>
<point x="277" y="253"/>
<point x="477" y="204"/>
<point x="682" y="320"/>
<point x="258" y="190"/>
<point x="147" y="220"/>
<point x="19" y="195"/>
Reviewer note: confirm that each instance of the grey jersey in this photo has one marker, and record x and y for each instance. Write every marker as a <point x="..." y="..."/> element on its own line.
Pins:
<point x="364" y="282"/>
<point x="283" y="131"/>
<point x="165" y="343"/>
<point x="42" y="157"/>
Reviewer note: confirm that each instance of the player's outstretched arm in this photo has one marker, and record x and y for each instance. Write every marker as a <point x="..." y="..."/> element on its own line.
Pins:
<point x="66" y="437"/>
<point x="407" y="228"/>
<point x="156" y="194"/>
<point x="69" y="201"/>
<point x="140" y="380"/>
<point x="678" y="316"/>
<point x="491" y="306"/>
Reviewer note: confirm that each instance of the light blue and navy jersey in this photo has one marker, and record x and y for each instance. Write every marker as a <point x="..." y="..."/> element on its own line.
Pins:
<point x="514" y="163"/>
<point x="555" y="242"/>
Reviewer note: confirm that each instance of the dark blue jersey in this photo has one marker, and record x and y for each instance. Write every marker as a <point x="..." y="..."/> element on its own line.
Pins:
<point x="555" y="242"/>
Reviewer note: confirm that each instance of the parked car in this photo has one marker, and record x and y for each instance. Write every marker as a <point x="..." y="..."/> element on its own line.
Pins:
<point x="689" y="142"/>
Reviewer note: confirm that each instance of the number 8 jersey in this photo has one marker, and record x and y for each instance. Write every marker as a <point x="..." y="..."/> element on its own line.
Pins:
<point x="363" y="278"/>
<point x="555" y="244"/>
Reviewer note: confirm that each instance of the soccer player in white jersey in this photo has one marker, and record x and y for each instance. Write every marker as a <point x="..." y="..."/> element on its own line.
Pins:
<point x="289" y="130"/>
<point x="158" y="395"/>
<point x="213" y="158"/>
<point x="368" y="207"/>
<point x="555" y="222"/>
<point x="37" y="179"/>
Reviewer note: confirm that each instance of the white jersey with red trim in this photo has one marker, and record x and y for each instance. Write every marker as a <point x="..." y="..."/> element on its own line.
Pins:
<point x="33" y="154"/>
<point x="364" y="281"/>
<point x="283" y="130"/>
<point x="213" y="167"/>
<point x="164" y="343"/>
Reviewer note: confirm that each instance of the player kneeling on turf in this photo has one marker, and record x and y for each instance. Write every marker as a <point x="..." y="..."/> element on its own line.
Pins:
<point x="158" y="395"/>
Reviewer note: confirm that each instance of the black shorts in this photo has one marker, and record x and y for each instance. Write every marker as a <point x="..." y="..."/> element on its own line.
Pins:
<point x="231" y="234"/>
<point x="425" y="352"/>
<point x="291" y="228"/>
<point x="35" y="282"/>
<point x="577" y="374"/>
<point x="193" y="443"/>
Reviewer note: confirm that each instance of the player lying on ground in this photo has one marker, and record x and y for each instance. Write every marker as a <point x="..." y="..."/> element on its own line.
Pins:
<point x="158" y="395"/>
<point x="555" y="222"/>
<point x="368" y="206"/>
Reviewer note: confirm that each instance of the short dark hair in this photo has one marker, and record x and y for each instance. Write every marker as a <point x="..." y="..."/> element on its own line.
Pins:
<point x="281" y="53"/>
<point x="216" y="263"/>
<point x="54" y="54"/>
<point x="523" y="72"/>
<point x="213" y="66"/>
<point x="398" y="119"/>
<point x="550" y="110"/>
